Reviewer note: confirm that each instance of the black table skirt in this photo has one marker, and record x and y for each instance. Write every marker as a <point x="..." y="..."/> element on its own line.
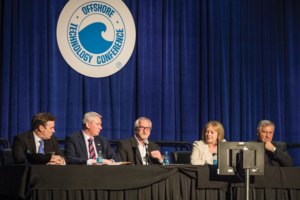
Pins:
<point x="140" y="182"/>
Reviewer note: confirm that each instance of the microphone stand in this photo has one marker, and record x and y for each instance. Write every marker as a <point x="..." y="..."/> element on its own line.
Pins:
<point x="147" y="151"/>
<point x="147" y="155"/>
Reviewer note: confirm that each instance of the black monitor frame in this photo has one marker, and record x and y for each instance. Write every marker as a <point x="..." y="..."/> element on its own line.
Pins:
<point x="228" y="153"/>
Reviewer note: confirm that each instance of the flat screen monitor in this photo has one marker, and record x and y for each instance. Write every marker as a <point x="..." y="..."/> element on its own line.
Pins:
<point x="230" y="156"/>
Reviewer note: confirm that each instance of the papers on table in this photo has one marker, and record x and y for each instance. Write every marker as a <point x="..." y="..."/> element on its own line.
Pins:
<point x="119" y="163"/>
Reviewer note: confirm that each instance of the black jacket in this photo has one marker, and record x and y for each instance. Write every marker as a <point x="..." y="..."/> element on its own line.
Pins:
<point x="25" y="141"/>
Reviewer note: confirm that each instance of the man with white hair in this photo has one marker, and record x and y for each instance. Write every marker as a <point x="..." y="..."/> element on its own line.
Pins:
<point x="275" y="152"/>
<point x="82" y="147"/>
<point x="134" y="149"/>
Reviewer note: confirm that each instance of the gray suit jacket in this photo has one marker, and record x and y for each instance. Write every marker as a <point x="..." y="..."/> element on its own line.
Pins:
<point x="280" y="158"/>
<point x="128" y="151"/>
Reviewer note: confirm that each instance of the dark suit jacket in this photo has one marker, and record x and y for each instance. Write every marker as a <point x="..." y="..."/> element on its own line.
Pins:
<point x="128" y="151"/>
<point x="76" y="150"/>
<point x="25" y="141"/>
<point x="280" y="158"/>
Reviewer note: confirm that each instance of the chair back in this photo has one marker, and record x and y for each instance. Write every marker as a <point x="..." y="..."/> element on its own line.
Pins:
<point x="181" y="157"/>
<point x="6" y="157"/>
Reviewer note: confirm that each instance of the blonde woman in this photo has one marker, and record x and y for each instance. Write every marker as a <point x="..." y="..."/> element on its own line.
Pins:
<point x="203" y="150"/>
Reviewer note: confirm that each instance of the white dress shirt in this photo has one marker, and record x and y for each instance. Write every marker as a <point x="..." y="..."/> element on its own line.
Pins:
<point x="86" y="139"/>
<point x="142" y="149"/>
<point x="38" y="144"/>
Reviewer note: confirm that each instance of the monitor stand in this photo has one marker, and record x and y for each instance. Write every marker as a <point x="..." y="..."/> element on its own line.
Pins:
<point x="247" y="178"/>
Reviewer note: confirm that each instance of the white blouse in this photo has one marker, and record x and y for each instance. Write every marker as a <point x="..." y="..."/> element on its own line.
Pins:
<point x="200" y="154"/>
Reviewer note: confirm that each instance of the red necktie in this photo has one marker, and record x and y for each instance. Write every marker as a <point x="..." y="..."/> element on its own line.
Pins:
<point x="91" y="148"/>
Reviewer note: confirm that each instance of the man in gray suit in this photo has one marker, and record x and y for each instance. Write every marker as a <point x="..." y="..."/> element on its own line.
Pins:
<point x="276" y="154"/>
<point x="133" y="149"/>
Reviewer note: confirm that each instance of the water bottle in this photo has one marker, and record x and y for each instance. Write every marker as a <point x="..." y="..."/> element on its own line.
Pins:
<point x="99" y="158"/>
<point x="166" y="159"/>
<point x="215" y="158"/>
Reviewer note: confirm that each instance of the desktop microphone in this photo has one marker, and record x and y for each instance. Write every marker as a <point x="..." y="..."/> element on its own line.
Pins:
<point x="146" y="142"/>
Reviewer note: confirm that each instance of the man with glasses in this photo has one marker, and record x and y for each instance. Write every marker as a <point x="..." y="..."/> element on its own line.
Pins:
<point x="134" y="150"/>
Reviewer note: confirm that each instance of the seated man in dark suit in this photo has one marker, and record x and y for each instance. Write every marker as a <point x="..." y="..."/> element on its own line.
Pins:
<point x="133" y="149"/>
<point x="82" y="147"/>
<point x="39" y="140"/>
<point x="275" y="152"/>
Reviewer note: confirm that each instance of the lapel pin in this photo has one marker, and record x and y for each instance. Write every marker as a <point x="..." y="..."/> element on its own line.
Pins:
<point x="98" y="144"/>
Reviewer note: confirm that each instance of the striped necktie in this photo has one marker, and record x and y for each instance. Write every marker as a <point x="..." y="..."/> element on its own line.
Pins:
<point x="267" y="161"/>
<point x="91" y="148"/>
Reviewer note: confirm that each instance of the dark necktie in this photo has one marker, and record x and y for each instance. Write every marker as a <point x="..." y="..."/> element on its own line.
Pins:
<point x="267" y="161"/>
<point x="91" y="148"/>
<point x="41" y="149"/>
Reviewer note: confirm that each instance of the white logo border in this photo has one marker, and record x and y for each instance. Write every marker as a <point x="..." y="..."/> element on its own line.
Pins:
<point x="78" y="65"/>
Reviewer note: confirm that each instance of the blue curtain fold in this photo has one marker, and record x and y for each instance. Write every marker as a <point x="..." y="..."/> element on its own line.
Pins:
<point x="235" y="61"/>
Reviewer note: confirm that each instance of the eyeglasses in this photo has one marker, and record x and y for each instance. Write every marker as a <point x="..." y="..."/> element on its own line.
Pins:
<point x="144" y="128"/>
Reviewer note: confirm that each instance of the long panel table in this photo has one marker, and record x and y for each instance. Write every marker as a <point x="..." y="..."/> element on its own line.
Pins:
<point x="179" y="182"/>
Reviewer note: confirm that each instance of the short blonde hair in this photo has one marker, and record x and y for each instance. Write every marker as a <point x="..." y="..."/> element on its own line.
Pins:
<point x="218" y="127"/>
<point x="89" y="117"/>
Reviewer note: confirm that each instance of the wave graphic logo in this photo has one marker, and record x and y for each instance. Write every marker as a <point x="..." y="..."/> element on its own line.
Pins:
<point x="92" y="41"/>
<point x="96" y="34"/>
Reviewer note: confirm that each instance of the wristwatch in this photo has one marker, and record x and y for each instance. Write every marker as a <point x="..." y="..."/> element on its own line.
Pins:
<point x="274" y="149"/>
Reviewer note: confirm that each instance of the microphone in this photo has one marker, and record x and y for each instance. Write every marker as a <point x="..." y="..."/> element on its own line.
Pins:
<point x="146" y="142"/>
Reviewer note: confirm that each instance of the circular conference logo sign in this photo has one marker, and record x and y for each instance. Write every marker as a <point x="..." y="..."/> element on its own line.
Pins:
<point x="96" y="38"/>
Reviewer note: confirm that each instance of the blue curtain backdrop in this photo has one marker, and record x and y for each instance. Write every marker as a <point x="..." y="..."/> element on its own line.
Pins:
<point x="235" y="61"/>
